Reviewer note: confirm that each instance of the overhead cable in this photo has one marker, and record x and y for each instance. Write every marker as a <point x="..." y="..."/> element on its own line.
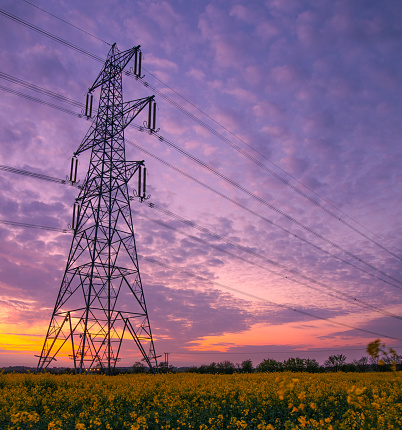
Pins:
<point x="38" y="89"/>
<point x="218" y="284"/>
<point x="244" y="207"/>
<point x="257" y="162"/>
<point x="187" y="175"/>
<point x="217" y="134"/>
<point x="339" y="294"/>
<point x="50" y="35"/>
<point x="262" y="299"/>
<point x="33" y="174"/>
<point x="34" y="99"/>
<point x="40" y="227"/>
<point x="67" y="22"/>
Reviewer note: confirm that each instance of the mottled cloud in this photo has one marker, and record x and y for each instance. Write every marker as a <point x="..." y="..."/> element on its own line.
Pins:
<point x="311" y="91"/>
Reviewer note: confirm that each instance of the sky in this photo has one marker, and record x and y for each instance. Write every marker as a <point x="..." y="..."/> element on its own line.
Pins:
<point x="281" y="144"/>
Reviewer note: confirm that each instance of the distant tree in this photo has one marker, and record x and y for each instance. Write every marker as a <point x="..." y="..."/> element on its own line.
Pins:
<point x="294" y="365"/>
<point x="202" y="368"/>
<point x="398" y="361"/>
<point x="335" y="362"/>
<point x="226" y="367"/>
<point x="270" y="365"/>
<point x="362" y="364"/>
<point x="247" y="366"/>
<point x="138" y="367"/>
<point x="208" y="368"/>
<point x="348" y="367"/>
<point x="373" y="363"/>
<point x="165" y="367"/>
<point x="211" y="368"/>
<point x="386" y="360"/>
<point x="311" y="365"/>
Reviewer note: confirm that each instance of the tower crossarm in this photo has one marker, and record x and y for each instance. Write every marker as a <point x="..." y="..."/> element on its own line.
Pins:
<point x="133" y="108"/>
<point x="132" y="167"/>
<point x="87" y="142"/>
<point x="129" y="111"/>
<point x="114" y="65"/>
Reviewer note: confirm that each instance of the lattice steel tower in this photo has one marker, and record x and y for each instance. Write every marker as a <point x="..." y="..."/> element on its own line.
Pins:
<point x="101" y="298"/>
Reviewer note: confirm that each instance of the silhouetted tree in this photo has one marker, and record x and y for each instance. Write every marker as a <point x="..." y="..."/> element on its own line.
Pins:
<point x="247" y="366"/>
<point x="165" y="368"/>
<point x="294" y="364"/>
<point x="138" y="367"/>
<point x="226" y="367"/>
<point x="311" y="365"/>
<point x="270" y="365"/>
<point x="362" y="364"/>
<point x="335" y="361"/>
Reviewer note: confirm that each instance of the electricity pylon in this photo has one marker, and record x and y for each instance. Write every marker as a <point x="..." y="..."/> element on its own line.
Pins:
<point x="101" y="298"/>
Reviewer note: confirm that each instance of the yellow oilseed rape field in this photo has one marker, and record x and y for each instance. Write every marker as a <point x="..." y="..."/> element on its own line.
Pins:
<point x="202" y="402"/>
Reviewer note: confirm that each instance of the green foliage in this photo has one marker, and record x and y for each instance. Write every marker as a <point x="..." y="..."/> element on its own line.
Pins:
<point x="270" y="365"/>
<point x="138" y="367"/>
<point x="335" y="362"/>
<point x="378" y="351"/>
<point x="247" y="366"/>
<point x="226" y="367"/>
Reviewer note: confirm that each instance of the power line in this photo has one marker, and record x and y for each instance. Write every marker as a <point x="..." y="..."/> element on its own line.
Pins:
<point x="43" y="91"/>
<point x="50" y="35"/>
<point x="217" y="134"/>
<point x="262" y="299"/>
<point x="299" y="351"/>
<point x="339" y="294"/>
<point x="39" y="227"/>
<point x="269" y="205"/>
<point x="348" y="298"/>
<point x="67" y="22"/>
<point x="255" y="161"/>
<point x="247" y="209"/>
<point x="34" y="99"/>
<point x="33" y="174"/>
<point x="218" y="284"/>
<point x="38" y="89"/>
<point x="161" y="138"/>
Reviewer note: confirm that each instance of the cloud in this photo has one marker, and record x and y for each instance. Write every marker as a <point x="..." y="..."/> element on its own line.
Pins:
<point x="313" y="88"/>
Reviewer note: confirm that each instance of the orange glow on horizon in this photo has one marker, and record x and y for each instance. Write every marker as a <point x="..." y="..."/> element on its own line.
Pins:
<point x="298" y="335"/>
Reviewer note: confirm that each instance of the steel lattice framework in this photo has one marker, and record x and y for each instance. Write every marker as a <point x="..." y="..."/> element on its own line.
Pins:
<point x="101" y="299"/>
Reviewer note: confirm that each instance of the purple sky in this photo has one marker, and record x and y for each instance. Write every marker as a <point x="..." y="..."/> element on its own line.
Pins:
<point x="309" y="90"/>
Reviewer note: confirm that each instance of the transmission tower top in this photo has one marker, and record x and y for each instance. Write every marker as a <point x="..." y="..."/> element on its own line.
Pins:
<point x="115" y="64"/>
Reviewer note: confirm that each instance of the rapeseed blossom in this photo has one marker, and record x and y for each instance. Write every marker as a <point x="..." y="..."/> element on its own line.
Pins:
<point x="201" y="402"/>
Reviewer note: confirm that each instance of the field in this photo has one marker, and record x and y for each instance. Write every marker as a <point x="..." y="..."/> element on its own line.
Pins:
<point x="194" y="401"/>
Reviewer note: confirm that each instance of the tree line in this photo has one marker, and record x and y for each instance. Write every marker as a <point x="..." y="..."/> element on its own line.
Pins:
<point x="334" y="363"/>
<point x="379" y="359"/>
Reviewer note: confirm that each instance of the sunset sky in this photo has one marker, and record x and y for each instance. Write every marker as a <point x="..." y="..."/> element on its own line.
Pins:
<point x="281" y="125"/>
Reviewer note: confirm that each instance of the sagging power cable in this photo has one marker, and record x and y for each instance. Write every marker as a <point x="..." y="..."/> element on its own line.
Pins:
<point x="220" y="285"/>
<point x="261" y="299"/>
<point x="229" y="142"/>
<point x="339" y="294"/>
<point x="185" y="174"/>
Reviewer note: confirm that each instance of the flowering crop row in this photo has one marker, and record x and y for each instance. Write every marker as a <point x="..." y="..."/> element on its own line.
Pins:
<point x="202" y="402"/>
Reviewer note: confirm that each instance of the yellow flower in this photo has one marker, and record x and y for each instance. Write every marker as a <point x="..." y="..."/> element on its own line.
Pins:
<point x="302" y="421"/>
